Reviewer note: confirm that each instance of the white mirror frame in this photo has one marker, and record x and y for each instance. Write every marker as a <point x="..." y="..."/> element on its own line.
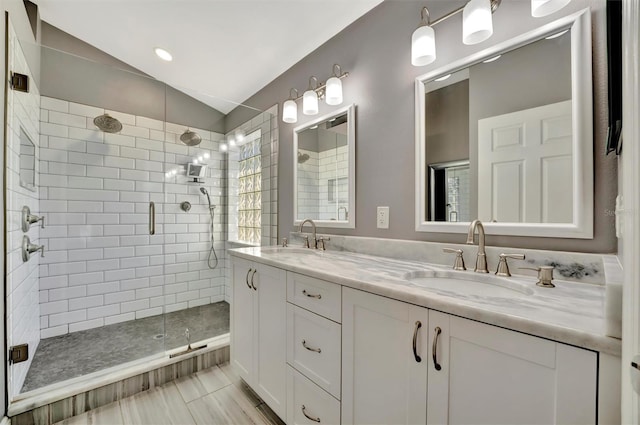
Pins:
<point x="582" y="144"/>
<point x="351" y="136"/>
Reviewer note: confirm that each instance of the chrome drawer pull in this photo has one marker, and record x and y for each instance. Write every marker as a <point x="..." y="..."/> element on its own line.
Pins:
<point x="311" y="418"/>
<point x="246" y="279"/>
<point x="434" y="350"/>
<point x="304" y="344"/>
<point x="253" y="285"/>
<point x="415" y="340"/>
<point x="318" y="296"/>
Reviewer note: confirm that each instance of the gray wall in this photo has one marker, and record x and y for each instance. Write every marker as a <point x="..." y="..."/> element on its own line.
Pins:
<point x="447" y="123"/>
<point x="76" y="71"/>
<point x="376" y="51"/>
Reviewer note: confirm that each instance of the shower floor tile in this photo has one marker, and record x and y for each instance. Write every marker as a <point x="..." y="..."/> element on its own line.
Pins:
<point x="69" y="356"/>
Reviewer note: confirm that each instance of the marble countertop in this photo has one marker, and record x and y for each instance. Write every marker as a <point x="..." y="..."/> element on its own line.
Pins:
<point x="571" y="312"/>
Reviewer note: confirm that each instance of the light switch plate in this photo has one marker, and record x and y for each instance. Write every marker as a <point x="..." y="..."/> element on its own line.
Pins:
<point x="383" y="218"/>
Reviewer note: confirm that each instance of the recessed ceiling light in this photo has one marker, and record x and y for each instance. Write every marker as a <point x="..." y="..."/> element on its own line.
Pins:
<point x="443" y="77"/>
<point x="561" y="33"/>
<point x="163" y="54"/>
<point x="495" y="58"/>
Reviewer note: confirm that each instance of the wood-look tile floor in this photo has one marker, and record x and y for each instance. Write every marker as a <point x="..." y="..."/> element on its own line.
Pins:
<point x="212" y="396"/>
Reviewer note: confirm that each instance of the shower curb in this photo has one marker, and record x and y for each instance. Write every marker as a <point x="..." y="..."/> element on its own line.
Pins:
<point x="84" y="401"/>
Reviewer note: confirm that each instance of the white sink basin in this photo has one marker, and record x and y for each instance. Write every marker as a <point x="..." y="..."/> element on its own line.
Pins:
<point x="452" y="282"/>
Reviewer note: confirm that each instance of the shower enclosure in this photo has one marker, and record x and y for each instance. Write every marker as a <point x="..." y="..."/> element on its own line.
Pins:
<point x="127" y="183"/>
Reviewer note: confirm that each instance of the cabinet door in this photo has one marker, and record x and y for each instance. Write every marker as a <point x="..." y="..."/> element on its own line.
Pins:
<point x="270" y="322"/>
<point x="491" y="375"/>
<point x="242" y="337"/>
<point x="382" y="381"/>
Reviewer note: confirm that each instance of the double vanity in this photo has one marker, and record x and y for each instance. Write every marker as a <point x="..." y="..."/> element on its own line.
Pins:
<point x="343" y="337"/>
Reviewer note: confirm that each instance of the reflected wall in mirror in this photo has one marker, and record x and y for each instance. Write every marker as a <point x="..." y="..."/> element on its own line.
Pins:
<point x="324" y="170"/>
<point x="506" y="137"/>
<point x="27" y="161"/>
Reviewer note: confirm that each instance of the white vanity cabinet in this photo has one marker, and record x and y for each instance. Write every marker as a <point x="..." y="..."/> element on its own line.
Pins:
<point x="484" y="374"/>
<point x="384" y="360"/>
<point x="258" y="330"/>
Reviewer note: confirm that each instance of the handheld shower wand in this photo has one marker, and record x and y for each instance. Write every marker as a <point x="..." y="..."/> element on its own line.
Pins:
<point x="212" y="260"/>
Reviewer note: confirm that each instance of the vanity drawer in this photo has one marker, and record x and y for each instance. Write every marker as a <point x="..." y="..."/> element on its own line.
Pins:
<point x="318" y="404"/>
<point x="314" y="347"/>
<point x="319" y="296"/>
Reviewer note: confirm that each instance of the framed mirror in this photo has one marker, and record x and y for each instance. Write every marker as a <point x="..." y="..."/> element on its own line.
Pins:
<point x="27" y="161"/>
<point x="505" y="136"/>
<point x="324" y="170"/>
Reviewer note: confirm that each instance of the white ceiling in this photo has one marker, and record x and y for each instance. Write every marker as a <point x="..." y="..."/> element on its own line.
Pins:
<point x="223" y="51"/>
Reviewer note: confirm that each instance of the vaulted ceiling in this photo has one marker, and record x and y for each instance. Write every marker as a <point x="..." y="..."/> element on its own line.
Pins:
<point x="223" y="51"/>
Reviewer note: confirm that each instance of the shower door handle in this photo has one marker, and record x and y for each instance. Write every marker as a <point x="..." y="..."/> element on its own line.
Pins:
<point x="152" y="218"/>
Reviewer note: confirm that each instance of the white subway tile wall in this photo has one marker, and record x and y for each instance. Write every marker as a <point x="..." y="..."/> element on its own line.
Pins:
<point x="23" y="310"/>
<point x="102" y="265"/>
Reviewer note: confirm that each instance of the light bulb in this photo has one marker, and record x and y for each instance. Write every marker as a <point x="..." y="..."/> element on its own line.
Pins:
<point x="310" y="102"/>
<point x="290" y="112"/>
<point x="200" y="158"/>
<point x="423" y="46"/>
<point x="195" y="161"/>
<point x="174" y="172"/>
<point x="232" y="142"/>
<point x="239" y="137"/>
<point x="540" y="8"/>
<point x="333" y="91"/>
<point x="477" y="23"/>
<point x="207" y="155"/>
<point x="224" y="147"/>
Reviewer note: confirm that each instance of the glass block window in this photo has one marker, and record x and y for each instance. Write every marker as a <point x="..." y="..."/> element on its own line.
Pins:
<point x="249" y="190"/>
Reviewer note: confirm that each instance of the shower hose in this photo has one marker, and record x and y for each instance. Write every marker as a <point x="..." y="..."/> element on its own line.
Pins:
<point x="212" y="260"/>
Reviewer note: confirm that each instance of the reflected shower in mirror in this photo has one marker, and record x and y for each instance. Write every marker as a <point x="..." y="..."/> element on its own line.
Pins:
<point x="324" y="170"/>
<point x="507" y="137"/>
<point x="27" y="161"/>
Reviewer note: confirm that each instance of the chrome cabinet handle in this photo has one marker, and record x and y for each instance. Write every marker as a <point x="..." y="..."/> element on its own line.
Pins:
<point x="317" y="296"/>
<point x="316" y="350"/>
<point x="434" y="350"/>
<point x="152" y="218"/>
<point x="253" y="285"/>
<point x="246" y="279"/>
<point x="415" y="341"/>
<point x="311" y="418"/>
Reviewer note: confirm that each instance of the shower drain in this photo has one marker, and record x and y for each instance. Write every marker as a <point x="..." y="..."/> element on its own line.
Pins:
<point x="159" y="336"/>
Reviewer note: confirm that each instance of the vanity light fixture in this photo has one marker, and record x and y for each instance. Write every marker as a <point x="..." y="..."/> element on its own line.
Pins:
<point x="163" y="54"/>
<point x="334" y="87"/>
<point x="331" y="91"/>
<point x="477" y="26"/>
<point x="541" y="8"/>
<point x="310" y="98"/>
<point x="290" y="109"/>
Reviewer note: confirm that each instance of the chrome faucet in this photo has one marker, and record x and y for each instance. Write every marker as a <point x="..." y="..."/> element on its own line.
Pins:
<point x="313" y="225"/>
<point x="481" y="258"/>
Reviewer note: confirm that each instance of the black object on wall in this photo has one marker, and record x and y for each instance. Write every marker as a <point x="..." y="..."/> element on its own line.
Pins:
<point x="614" y="60"/>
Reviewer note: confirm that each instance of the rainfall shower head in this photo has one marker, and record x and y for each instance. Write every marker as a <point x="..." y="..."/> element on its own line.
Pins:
<point x="205" y="192"/>
<point x="190" y="138"/>
<point x="107" y="123"/>
<point x="302" y="157"/>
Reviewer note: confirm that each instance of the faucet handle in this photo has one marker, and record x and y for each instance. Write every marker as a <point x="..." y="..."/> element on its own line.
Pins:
<point x="321" y="242"/>
<point x="503" y="266"/>
<point x="285" y="242"/>
<point x="459" y="261"/>
<point x="545" y="275"/>
<point x="306" y="241"/>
